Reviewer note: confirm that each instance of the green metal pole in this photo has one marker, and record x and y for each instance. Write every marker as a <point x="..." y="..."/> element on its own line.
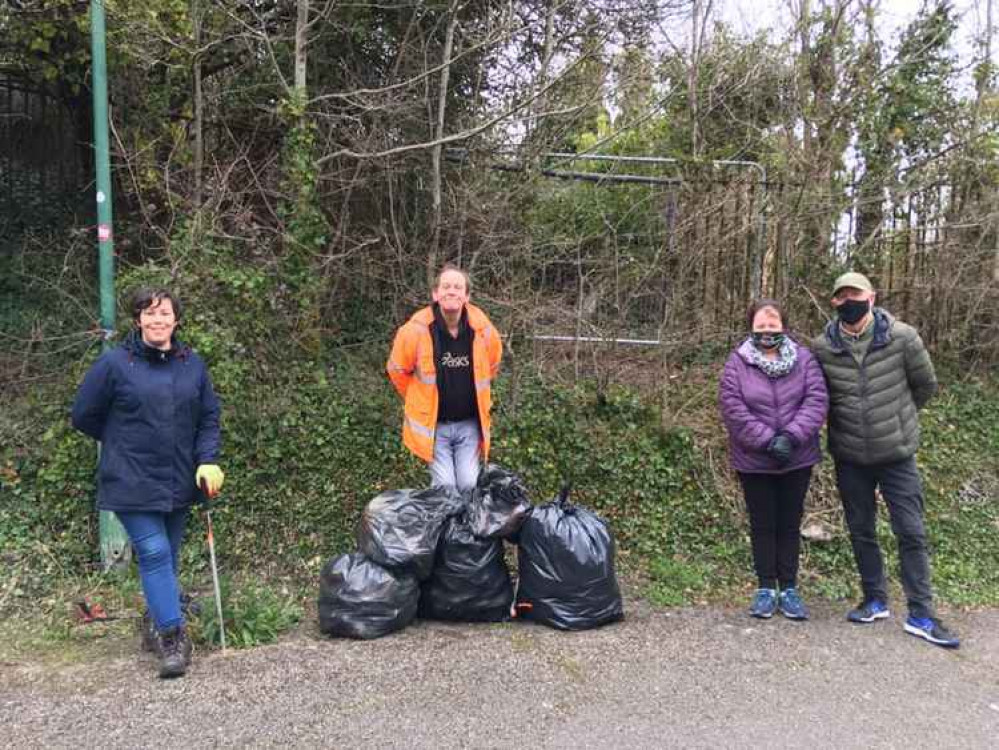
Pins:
<point x="115" y="550"/>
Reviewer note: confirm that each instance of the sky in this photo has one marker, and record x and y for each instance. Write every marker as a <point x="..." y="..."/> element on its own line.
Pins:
<point x="752" y="15"/>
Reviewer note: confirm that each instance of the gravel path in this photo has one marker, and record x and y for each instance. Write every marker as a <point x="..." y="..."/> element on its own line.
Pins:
<point x="682" y="678"/>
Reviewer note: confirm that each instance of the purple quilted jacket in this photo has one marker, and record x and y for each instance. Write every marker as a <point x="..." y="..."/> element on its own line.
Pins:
<point x="755" y="407"/>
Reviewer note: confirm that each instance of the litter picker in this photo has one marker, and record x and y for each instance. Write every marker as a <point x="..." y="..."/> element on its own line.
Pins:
<point x="215" y="569"/>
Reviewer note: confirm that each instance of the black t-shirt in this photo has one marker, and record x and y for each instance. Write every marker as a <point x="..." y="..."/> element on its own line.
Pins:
<point x="454" y="372"/>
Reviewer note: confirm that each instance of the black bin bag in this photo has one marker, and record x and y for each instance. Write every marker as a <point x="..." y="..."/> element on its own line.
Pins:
<point x="565" y="555"/>
<point x="498" y="505"/>
<point x="470" y="581"/>
<point x="360" y="599"/>
<point x="399" y="529"/>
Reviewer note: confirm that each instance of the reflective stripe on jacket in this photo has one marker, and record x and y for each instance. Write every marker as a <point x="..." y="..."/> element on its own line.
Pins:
<point x="413" y="372"/>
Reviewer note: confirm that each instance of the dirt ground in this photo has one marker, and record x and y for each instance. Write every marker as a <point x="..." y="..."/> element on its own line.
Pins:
<point x="699" y="677"/>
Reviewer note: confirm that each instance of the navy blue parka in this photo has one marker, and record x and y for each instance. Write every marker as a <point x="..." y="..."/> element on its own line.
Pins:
<point x="157" y="417"/>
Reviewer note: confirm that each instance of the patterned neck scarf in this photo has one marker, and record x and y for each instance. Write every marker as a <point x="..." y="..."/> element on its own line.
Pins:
<point x="787" y="354"/>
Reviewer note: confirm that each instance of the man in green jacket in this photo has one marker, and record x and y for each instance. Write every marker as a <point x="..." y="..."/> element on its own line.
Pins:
<point x="879" y="375"/>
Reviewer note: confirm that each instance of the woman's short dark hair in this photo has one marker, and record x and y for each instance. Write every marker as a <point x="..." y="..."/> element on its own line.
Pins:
<point x="758" y="304"/>
<point x="148" y="296"/>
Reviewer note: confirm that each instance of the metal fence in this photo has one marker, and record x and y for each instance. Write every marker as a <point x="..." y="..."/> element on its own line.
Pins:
<point x="674" y="262"/>
<point x="43" y="172"/>
<point x="634" y="251"/>
<point x="43" y="162"/>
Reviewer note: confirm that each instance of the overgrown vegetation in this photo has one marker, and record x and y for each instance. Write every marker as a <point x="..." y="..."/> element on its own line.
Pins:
<point x="305" y="453"/>
<point x="254" y="614"/>
<point x="297" y="209"/>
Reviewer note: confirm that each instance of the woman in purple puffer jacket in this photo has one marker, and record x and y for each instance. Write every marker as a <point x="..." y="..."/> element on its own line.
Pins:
<point x="773" y="401"/>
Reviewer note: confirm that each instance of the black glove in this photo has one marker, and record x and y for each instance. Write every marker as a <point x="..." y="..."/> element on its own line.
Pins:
<point x="780" y="448"/>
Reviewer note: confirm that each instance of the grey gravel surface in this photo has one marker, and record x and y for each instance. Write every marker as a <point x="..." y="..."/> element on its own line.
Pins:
<point x="681" y="678"/>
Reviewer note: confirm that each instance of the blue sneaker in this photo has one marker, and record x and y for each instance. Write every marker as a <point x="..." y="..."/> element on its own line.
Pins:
<point x="869" y="611"/>
<point x="764" y="603"/>
<point x="791" y="606"/>
<point x="932" y="630"/>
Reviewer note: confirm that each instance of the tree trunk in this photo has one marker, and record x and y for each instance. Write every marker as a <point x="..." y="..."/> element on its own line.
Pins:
<point x="804" y="77"/>
<point x="700" y="11"/>
<point x="546" y="61"/>
<point x="985" y="88"/>
<point x="199" y="107"/>
<point x="301" y="47"/>
<point x="438" y="134"/>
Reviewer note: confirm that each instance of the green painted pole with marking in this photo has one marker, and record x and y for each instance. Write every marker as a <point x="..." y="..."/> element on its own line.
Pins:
<point x="115" y="549"/>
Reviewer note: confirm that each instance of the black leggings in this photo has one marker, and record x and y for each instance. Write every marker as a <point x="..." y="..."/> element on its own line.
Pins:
<point x="775" y="503"/>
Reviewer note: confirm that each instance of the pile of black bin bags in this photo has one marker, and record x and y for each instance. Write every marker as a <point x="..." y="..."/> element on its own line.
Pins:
<point x="437" y="555"/>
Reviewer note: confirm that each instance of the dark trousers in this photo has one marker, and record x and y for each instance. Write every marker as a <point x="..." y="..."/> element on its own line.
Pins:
<point x="900" y="486"/>
<point x="775" y="503"/>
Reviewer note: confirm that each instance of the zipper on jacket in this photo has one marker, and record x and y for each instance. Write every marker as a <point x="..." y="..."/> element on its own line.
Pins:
<point x="862" y="380"/>
<point x="773" y="390"/>
<point x="862" y="370"/>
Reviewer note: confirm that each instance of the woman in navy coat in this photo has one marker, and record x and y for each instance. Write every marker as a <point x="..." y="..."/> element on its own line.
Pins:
<point x="151" y="405"/>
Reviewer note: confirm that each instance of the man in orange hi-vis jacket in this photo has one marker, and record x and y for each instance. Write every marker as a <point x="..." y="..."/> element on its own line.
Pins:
<point x="443" y="362"/>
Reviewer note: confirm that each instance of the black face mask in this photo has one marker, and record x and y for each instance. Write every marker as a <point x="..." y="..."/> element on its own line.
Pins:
<point x="768" y="340"/>
<point x="853" y="310"/>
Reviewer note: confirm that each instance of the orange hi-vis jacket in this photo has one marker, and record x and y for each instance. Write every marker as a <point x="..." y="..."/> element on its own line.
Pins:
<point x="413" y="372"/>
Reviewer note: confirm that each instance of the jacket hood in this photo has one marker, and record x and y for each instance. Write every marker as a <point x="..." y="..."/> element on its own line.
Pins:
<point x="136" y="347"/>
<point x="884" y="322"/>
<point x="476" y="318"/>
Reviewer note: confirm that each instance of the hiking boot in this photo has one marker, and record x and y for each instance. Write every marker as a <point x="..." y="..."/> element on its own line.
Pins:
<point x="175" y="651"/>
<point x="791" y="606"/>
<point x="189" y="607"/>
<point x="147" y="633"/>
<point x="868" y="611"/>
<point x="764" y="603"/>
<point x="932" y="630"/>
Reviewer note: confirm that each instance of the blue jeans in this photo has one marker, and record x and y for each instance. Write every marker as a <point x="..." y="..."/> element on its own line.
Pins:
<point x="456" y="454"/>
<point x="156" y="538"/>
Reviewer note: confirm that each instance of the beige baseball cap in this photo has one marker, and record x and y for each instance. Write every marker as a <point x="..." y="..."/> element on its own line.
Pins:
<point x="854" y="279"/>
